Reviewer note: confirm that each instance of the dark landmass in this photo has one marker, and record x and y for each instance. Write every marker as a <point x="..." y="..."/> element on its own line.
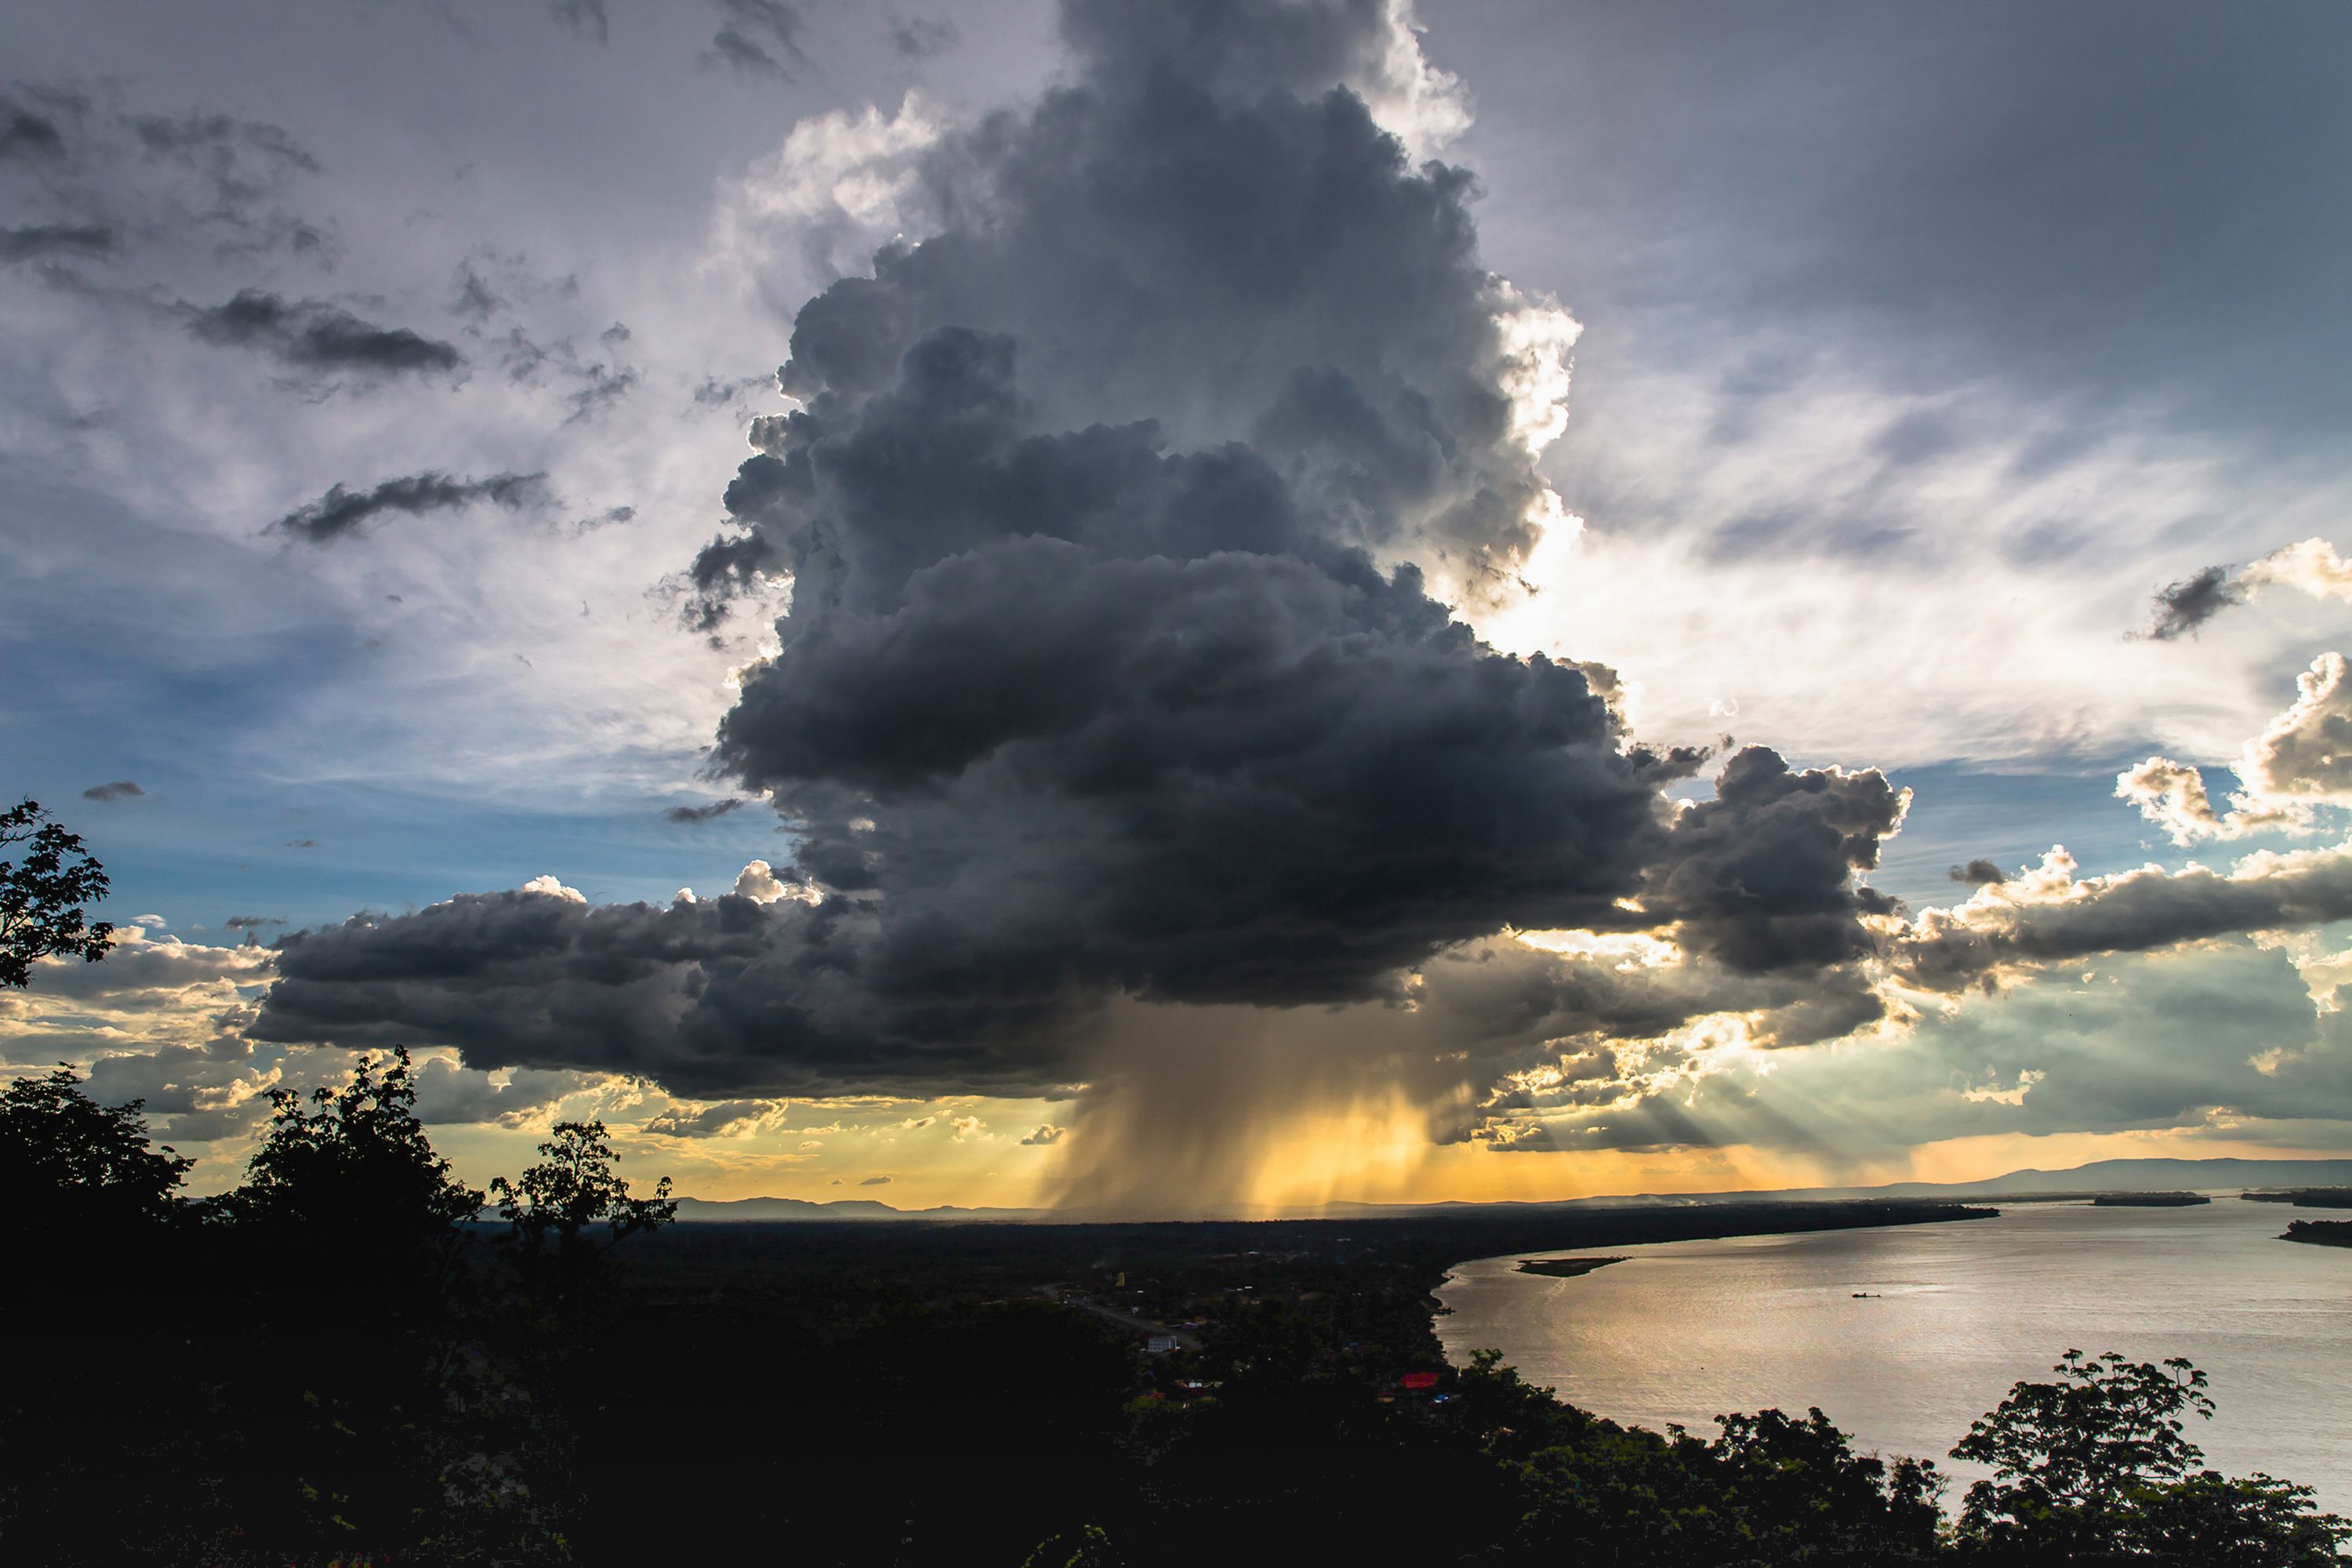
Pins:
<point x="2319" y="1232"/>
<point x="894" y="1391"/>
<point x="2083" y="1183"/>
<point x="1564" y="1268"/>
<point x="345" y="1360"/>
<point x="2304" y="1197"/>
<point x="736" y="1210"/>
<point x="2149" y="1200"/>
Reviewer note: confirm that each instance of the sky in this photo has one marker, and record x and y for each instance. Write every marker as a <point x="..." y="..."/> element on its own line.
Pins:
<point x="1154" y="607"/>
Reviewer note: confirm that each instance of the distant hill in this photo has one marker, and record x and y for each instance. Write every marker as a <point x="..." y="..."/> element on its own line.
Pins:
<point x="2159" y="1175"/>
<point x="2143" y="1176"/>
<point x="2153" y="1176"/>
<point x="840" y="1208"/>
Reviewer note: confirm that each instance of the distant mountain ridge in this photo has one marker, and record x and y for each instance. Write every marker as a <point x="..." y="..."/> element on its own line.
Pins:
<point x="2144" y="1176"/>
<point x="2149" y="1176"/>
<point x="839" y="1208"/>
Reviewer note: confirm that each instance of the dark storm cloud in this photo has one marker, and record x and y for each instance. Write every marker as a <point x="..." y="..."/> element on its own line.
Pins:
<point x="1200" y="234"/>
<point x="2136" y="912"/>
<point x="119" y="789"/>
<point x="1092" y="690"/>
<point x="718" y="997"/>
<point x="1978" y="874"/>
<point x="1762" y="876"/>
<point x="313" y="336"/>
<point x="755" y="33"/>
<point x="340" y="511"/>
<point x="2179" y="609"/>
<point x="704" y="812"/>
<point x="41" y="242"/>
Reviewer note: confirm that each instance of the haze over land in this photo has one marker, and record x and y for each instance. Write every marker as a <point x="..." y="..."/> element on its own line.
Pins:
<point x="1164" y="699"/>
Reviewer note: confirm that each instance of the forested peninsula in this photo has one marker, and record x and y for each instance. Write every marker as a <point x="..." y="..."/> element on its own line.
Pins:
<point x="2319" y="1232"/>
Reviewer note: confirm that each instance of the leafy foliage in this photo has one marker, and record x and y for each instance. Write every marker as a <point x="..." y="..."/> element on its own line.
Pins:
<point x="43" y="890"/>
<point x="2097" y="1465"/>
<point x="67" y="1159"/>
<point x="554" y="1210"/>
<point x="358" y="1161"/>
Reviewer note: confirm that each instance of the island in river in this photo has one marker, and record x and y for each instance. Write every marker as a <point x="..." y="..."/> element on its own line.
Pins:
<point x="1564" y="1268"/>
<point x="2319" y="1232"/>
<point x="2304" y="1197"/>
<point x="2149" y="1200"/>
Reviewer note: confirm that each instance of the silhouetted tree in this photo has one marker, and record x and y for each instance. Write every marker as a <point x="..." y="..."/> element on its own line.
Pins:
<point x="555" y="1210"/>
<point x="2256" y="1522"/>
<point x="358" y="1162"/>
<point x="68" y="1161"/>
<point x="2097" y="1466"/>
<point x="43" y="890"/>
<point x="1795" y="1491"/>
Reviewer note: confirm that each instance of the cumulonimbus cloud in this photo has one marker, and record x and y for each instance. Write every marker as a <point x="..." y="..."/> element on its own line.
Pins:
<point x="1121" y="699"/>
<point x="1114" y="666"/>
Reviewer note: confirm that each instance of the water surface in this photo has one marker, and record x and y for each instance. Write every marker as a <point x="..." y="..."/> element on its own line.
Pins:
<point x="1684" y="1331"/>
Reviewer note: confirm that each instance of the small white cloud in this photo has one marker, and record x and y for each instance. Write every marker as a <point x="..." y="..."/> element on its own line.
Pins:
<point x="553" y="888"/>
<point x="1046" y="1133"/>
<point x="2311" y="565"/>
<point x="760" y="883"/>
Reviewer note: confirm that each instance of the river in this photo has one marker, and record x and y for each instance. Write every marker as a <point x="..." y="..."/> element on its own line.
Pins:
<point x="1955" y="1313"/>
